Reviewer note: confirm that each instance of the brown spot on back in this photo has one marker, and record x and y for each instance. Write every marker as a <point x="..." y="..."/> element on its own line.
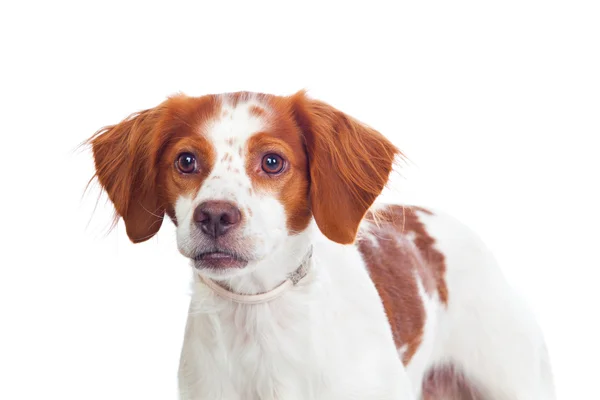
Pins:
<point x="396" y="249"/>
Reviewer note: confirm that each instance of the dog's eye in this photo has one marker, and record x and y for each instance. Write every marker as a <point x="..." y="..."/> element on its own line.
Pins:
<point x="186" y="163"/>
<point x="272" y="164"/>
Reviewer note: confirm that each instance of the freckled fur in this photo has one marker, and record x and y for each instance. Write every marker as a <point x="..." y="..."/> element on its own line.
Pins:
<point x="257" y="111"/>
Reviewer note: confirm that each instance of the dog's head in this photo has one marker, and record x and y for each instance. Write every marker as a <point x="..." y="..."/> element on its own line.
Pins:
<point x="242" y="175"/>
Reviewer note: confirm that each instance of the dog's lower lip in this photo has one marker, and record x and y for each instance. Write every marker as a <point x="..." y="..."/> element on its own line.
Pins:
<point x="215" y="255"/>
<point x="219" y="260"/>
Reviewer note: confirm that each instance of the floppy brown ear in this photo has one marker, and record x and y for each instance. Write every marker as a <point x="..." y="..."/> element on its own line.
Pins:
<point x="123" y="159"/>
<point x="349" y="164"/>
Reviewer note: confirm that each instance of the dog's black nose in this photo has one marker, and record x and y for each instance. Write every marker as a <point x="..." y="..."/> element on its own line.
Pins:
<point x="215" y="218"/>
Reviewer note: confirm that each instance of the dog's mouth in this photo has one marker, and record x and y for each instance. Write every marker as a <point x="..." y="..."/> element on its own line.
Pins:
<point x="219" y="259"/>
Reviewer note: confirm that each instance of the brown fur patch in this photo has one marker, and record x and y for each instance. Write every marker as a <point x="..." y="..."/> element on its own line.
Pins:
<point x="257" y="111"/>
<point x="396" y="247"/>
<point x="446" y="382"/>
<point x="349" y="165"/>
<point x="175" y="184"/>
<point x="337" y="165"/>
<point x="291" y="185"/>
<point x="135" y="160"/>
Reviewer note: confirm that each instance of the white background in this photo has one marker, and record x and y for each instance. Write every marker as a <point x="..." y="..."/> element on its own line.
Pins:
<point x="496" y="104"/>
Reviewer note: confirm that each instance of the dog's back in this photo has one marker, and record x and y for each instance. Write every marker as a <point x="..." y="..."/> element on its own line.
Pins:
<point x="462" y="332"/>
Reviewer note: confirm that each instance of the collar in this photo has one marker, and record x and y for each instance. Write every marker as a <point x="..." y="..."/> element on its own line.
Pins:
<point x="291" y="281"/>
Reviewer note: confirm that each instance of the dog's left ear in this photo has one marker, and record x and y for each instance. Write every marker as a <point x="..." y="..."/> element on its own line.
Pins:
<point x="349" y="165"/>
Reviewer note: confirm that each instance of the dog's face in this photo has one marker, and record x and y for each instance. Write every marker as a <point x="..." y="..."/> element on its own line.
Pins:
<point x="241" y="175"/>
<point x="238" y="185"/>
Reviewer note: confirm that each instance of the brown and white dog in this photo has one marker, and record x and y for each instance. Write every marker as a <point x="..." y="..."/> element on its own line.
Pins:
<point x="303" y="289"/>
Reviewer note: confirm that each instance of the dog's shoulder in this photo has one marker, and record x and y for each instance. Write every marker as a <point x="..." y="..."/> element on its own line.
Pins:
<point x="406" y="268"/>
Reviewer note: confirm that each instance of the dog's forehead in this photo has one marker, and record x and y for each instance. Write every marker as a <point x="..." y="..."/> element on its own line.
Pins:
<point x="229" y="131"/>
<point x="235" y="123"/>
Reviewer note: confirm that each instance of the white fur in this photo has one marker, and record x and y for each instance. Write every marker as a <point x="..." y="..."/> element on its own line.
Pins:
<point x="328" y="338"/>
<point x="420" y="362"/>
<point x="486" y="329"/>
<point x="311" y="343"/>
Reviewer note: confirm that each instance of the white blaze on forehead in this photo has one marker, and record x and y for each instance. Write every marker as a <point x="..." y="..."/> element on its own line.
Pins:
<point x="235" y="122"/>
<point x="229" y="132"/>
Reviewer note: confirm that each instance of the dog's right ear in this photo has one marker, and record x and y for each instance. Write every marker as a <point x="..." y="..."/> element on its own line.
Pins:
<point x="123" y="155"/>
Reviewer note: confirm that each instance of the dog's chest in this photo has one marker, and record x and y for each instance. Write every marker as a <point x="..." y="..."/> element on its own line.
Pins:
<point x="265" y="351"/>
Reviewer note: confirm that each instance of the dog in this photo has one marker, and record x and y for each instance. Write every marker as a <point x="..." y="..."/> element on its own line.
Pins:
<point x="305" y="287"/>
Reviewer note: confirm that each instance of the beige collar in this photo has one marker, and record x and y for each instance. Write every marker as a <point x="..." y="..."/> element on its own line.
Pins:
<point x="265" y="297"/>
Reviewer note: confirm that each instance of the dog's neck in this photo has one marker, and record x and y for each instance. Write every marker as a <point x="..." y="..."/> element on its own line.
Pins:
<point x="292" y="260"/>
<point x="264" y="297"/>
